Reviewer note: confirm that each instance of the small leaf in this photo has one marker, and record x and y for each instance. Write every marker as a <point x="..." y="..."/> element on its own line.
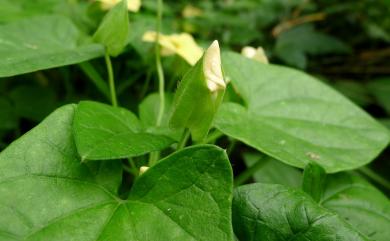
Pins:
<point x="359" y="203"/>
<point x="199" y="95"/>
<point x="104" y="132"/>
<point x="114" y="29"/>
<point x="273" y="171"/>
<point x="274" y="212"/>
<point x="48" y="194"/>
<point x="297" y="119"/>
<point x="314" y="177"/>
<point x="42" y="43"/>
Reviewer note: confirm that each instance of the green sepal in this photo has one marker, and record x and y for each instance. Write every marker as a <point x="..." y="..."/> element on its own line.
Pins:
<point x="114" y="29"/>
<point x="194" y="105"/>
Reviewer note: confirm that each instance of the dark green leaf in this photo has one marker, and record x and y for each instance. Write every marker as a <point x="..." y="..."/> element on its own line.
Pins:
<point x="104" y="132"/>
<point x="359" y="203"/>
<point x="273" y="171"/>
<point x="274" y="212"/>
<point x="114" y="29"/>
<point x="380" y="89"/>
<point x="314" y="177"/>
<point x="48" y="194"/>
<point x="297" y="119"/>
<point x="41" y="43"/>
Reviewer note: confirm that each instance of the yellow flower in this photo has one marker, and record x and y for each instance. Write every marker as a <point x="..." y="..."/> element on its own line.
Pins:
<point x="132" y="5"/>
<point x="190" y="11"/>
<point x="182" y="44"/>
<point x="255" y="54"/>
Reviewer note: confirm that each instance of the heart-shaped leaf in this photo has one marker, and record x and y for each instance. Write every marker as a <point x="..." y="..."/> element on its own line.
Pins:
<point x="359" y="203"/>
<point x="104" y="132"/>
<point x="297" y="119"/>
<point x="274" y="212"/>
<point x="48" y="194"/>
<point x="41" y="43"/>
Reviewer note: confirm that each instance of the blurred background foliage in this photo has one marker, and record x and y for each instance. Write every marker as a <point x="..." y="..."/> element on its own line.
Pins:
<point x="344" y="43"/>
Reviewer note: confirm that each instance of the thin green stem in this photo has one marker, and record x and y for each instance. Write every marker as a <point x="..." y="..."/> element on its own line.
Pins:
<point x="90" y="71"/>
<point x="183" y="140"/>
<point x="153" y="158"/>
<point x="248" y="173"/>
<point x="375" y="177"/>
<point x="212" y="137"/>
<point x="160" y="71"/>
<point x="111" y="81"/>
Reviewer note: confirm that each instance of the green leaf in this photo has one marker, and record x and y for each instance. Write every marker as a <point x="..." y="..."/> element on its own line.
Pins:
<point x="380" y="89"/>
<point x="41" y="43"/>
<point x="359" y="203"/>
<point x="48" y="194"/>
<point x="314" y="177"/>
<point x="273" y="171"/>
<point x="8" y="117"/>
<point x="114" y="29"/>
<point x="148" y="114"/>
<point x="297" y="119"/>
<point x="293" y="45"/>
<point x="104" y="132"/>
<point x="33" y="102"/>
<point x="274" y="212"/>
<point x="199" y="95"/>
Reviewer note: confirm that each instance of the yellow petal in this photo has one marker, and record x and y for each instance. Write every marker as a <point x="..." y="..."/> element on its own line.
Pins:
<point x="255" y="54"/>
<point x="132" y="5"/>
<point x="212" y="68"/>
<point x="182" y="44"/>
<point x="190" y="11"/>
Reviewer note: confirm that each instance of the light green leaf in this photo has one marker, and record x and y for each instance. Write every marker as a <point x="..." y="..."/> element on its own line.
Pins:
<point x="104" y="132"/>
<point x="48" y="194"/>
<point x="148" y="114"/>
<point x="114" y="29"/>
<point x="273" y="171"/>
<point x="41" y="43"/>
<point x="297" y="119"/>
<point x="359" y="203"/>
<point x="274" y="212"/>
<point x="199" y="95"/>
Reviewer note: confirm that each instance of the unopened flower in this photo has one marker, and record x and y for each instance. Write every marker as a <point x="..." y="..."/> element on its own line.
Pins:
<point x="132" y="5"/>
<point x="212" y="68"/>
<point x="255" y="54"/>
<point x="143" y="169"/>
<point x="182" y="44"/>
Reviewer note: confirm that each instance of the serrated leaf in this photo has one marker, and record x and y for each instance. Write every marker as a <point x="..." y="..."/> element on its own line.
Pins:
<point x="297" y="119"/>
<point x="274" y="212"/>
<point x="359" y="203"/>
<point x="104" y="132"/>
<point x="114" y="29"/>
<point x="41" y="43"/>
<point x="48" y="194"/>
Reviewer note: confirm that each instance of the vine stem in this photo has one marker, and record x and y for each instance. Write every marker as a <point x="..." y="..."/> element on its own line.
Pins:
<point x="375" y="177"/>
<point x="248" y="173"/>
<point x="183" y="139"/>
<point x="160" y="71"/>
<point x="111" y="81"/>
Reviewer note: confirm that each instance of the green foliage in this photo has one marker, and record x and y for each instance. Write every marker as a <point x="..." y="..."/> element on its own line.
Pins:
<point x="186" y="196"/>
<point x="103" y="132"/>
<point x="274" y="212"/>
<point x="114" y="29"/>
<point x="41" y="43"/>
<point x="130" y="171"/>
<point x="285" y="108"/>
